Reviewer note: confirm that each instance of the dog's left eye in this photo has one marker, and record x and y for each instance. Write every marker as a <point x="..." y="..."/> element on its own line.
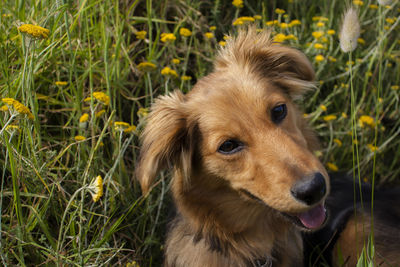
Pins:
<point x="278" y="113"/>
<point x="230" y="146"/>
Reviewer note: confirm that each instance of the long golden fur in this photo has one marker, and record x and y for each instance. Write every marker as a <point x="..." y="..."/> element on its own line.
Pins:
<point x="236" y="209"/>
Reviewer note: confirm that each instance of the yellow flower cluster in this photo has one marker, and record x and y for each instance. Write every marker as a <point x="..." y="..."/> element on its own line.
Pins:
<point x="331" y="166"/>
<point x="185" y="32"/>
<point x="242" y="20"/>
<point x="19" y="107"/>
<point x="319" y="58"/>
<point x="338" y="142"/>
<point x="280" y="37"/>
<point x="209" y="35"/>
<point x="146" y="66"/>
<point x="368" y="120"/>
<point x="372" y="147"/>
<point x="186" y="78"/>
<point x="358" y="2"/>
<point x="279" y="11"/>
<point x="84" y="118"/>
<point x="96" y="188"/>
<point x="141" y="35"/>
<point x="61" y="83"/>
<point x="34" y="31"/>
<point x="237" y="3"/>
<point x="79" y="138"/>
<point x="124" y="127"/>
<point x="142" y="112"/>
<point x="167" y="37"/>
<point x="330" y="117"/>
<point x="319" y="18"/>
<point x="167" y="71"/>
<point x="100" y="96"/>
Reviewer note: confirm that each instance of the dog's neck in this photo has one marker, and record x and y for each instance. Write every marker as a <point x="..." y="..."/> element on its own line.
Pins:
<point x="231" y="223"/>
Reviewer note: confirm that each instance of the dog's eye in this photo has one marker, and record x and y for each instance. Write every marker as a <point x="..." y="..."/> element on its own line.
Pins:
<point x="230" y="146"/>
<point x="278" y="113"/>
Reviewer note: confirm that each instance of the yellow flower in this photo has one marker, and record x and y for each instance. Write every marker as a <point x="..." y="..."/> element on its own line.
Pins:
<point x="222" y="43"/>
<point x="331" y="32"/>
<point x="141" y="35"/>
<point x="209" y="35"/>
<point x="4" y="108"/>
<point x="358" y="3"/>
<point x="100" y="96"/>
<point x="390" y="20"/>
<point x="176" y="61"/>
<point x="213" y="28"/>
<point x="344" y="115"/>
<point x="19" y="107"/>
<point x="257" y="17"/>
<point x="365" y="119"/>
<point x="332" y="167"/>
<point x="329" y="117"/>
<point x="279" y="11"/>
<point x="295" y="22"/>
<point x="167" y="71"/>
<point x="319" y="46"/>
<point x="242" y="20"/>
<point x="142" y="112"/>
<point x="316" y="18"/>
<point x="290" y="37"/>
<point x="226" y="37"/>
<point x="338" y="142"/>
<point x="130" y="129"/>
<point x="237" y="3"/>
<point x="284" y="25"/>
<point x="121" y="125"/>
<point x="186" y="78"/>
<point x="320" y="24"/>
<point x="361" y="41"/>
<point x="132" y="264"/>
<point x="323" y="107"/>
<point x="61" y="83"/>
<point x="319" y="58"/>
<point x="99" y="113"/>
<point x="317" y="34"/>
<point x="332" y="59"/>
<point x="84" y="118"/>
<point x="372" y="147"/>
<point x="34" y="30"/>
<point x="279" y="38"/>
<point x="79" y="138"/>
<point x="185" y="32"/>
<point x="167" y="37"/>
<point x="373" y="6"/>
<point x="146" y="66"/>
<point x="96" y="188"/>
<point x="394" y="87"/>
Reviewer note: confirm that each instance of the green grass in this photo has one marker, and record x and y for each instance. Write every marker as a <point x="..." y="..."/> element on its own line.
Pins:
<point x="48" y="216"/>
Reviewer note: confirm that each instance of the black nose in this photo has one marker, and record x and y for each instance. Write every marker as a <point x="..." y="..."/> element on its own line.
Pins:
<point x="311" y="189"/>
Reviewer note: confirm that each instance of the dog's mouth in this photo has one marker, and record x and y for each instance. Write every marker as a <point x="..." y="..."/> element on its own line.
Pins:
<point x="311" y="219"/>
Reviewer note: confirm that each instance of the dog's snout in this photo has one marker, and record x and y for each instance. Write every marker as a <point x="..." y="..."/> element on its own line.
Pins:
<point x="311" y="189"/>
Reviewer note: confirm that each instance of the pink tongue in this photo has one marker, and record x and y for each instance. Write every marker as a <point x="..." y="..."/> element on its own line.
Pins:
<point x="313" y="218"/>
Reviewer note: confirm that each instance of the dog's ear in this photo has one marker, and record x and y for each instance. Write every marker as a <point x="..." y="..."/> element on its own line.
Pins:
<point x="256" y="52"/>
<point x="164" y="140"/>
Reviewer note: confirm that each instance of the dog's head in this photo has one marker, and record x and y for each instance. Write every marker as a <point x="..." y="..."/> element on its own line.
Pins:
<point x="239" y="128"/>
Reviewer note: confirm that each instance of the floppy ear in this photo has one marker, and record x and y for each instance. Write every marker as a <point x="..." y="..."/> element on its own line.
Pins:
<point x="164" y="140"/>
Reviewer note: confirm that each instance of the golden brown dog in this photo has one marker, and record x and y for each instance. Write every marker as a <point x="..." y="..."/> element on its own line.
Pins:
<point x="245" y="179"/>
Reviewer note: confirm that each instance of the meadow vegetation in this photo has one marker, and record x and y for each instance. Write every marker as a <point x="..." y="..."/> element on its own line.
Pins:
<point x="75" y="94"/>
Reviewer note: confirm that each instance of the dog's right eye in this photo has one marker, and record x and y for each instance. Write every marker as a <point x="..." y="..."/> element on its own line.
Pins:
<point x="230" y="146"/>
<point x="278" y="113"/>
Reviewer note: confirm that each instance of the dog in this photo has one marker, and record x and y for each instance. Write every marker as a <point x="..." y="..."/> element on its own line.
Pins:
<point x="246" y="183"/>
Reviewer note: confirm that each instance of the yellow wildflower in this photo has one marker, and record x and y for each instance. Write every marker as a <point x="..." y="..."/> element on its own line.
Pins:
<point x="226" y="37"/>
<point x="222" y="43"/>
<point x="130" y="129"/>
<point x="358" y="2"/>
<point x="143" y="112"/>
<point x="290" y="37"/>
<point x="185" y="32"/>
<point x="373" y="6"/>
<point x="167" y="71"/>
<point x="79" y="138"/>
<point x="394" y="87"/>
<point x="132" y="264"/>
<point x="338" y="142"/>
<point x="279" y="11"/>
<point x="331" y="32"/>
<point x="61" y="83"/>
<point x="295" y="22"/>
<point x="323" y="107"/>
<point x="146" y="66"/>
<point x="186" y="78"/>
<point x="19" y="107"/>
<point x="319" y="58"/>
<point x="13" y="128"/>
<point x="257" y="17"/>
<point x="372" y="147"/>
<point x="237" y="3"/>
<point x="284" y="25"/>
<point x="176" y="61"/>
<point x="102" y="97"/>
<point x="331" y="166"/>
<point x="319" y="46"/>
<point x="332" y="59"/>
<point x="365" y="119"/>
<point x="167" y="37"/>
<point x="84" y="118"/>
<point x="209" y="35"/>
<point x="361" y="41"/>
<point x="121" y="125"/>
<point x="96" y="188"/>
<point x="269" y="23"/>
<point x="141" y="35"/>
<point x="34" y="30"/>
<point x="329" y="117"/>
<point x="317" y="34"/>
<point x="320" y="24"/>
<point x="4" y="108"/>
<point x="213" y="28"/>
<point x="243" y="20"/>
<point x="316" y="18"/>
<point x="100" y="113"/>
<point x="279" y="38"/>
<point x="344" y="115"/>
